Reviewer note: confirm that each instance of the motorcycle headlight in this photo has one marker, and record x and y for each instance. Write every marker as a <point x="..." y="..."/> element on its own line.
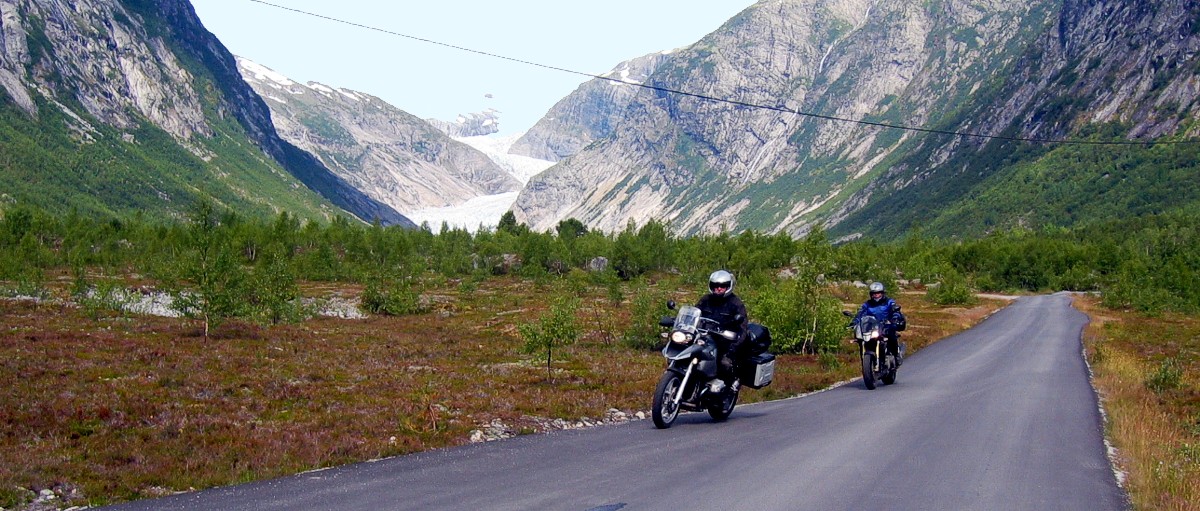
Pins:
<point x="680" y="337"/>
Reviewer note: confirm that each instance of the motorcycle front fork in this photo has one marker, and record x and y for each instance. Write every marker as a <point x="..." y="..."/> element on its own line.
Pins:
<point x="683" y="383"/>
<point x="880" y="353"/>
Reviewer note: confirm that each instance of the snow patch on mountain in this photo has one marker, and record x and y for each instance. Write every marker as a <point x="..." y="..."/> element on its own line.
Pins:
<point x="484" y="211"/>
<point x="496" y="148"/>
<point x="264" y="74"/>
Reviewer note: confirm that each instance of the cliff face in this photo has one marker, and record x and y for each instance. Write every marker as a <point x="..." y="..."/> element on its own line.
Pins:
<point x="1125" y="70"/>
<point x="590" y="113"/>
<point x="391" y="155"/>
<point x="470" y="125"/>
<point x="126" y="64"/>
<point x="977" y="66"/>
<point x="78" y="52"/>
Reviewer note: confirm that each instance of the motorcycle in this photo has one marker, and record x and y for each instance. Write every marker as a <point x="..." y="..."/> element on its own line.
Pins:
<point x="690" y="381"/>
<point x="877" y="363"/>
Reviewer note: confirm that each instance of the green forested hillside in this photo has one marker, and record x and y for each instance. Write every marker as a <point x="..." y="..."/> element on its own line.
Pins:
<point x="60" y="164"/>
<point x="1023" y="185"/>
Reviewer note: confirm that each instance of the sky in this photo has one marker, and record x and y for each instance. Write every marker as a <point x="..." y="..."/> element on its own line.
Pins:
<point x="373" y="46"/>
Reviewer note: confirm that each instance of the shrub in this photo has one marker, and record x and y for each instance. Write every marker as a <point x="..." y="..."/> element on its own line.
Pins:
<point x="952" y="289"/>
<point x="829" y="361"/>
<point x="642" y="331"/>
<point x="398" y="299"/>
<point x="557" y="327"/>
<point x="802" y="316"/>
<point x="274" y="294"/>
<point x="1168" y="376"/>
<point x="106" y="296"/>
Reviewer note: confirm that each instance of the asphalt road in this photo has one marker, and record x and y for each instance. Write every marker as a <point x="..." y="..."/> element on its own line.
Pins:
<point x="1001" y="417"/>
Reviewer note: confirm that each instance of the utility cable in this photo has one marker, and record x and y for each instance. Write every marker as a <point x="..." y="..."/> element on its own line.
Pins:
<point x="732" y="101"/>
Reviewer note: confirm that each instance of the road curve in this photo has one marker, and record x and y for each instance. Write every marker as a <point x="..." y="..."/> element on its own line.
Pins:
<point x="1000" y="417"/>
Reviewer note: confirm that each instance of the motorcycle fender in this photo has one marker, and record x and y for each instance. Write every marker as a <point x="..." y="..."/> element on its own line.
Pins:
<point x="702" y="352"/>
<point x="679" y="367"/>
<point x="685" y="354"/>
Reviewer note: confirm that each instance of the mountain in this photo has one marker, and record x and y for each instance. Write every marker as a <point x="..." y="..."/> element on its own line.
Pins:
<point x="470" y="125"/>
<point x="117" y="107"/>
<point x="791" y="116"/>
<point x="392" y="156"/>
<point x="589" y="113"/>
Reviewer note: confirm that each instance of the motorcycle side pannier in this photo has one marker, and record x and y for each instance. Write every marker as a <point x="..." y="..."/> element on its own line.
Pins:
<point x="758" y="371"/>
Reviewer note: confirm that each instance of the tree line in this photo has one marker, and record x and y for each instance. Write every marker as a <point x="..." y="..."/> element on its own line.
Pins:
<point x="218" y="264"/>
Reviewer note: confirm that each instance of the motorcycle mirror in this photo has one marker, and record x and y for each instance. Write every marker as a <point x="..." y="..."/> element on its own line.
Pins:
<point x="847" y="313"/>
<point x="671" y="304"/>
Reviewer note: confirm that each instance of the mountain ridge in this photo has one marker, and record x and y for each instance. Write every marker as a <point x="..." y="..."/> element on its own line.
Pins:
<point x="153" y="118"/>
<point x="706" y="166"/>
<point x="391" y="155"/>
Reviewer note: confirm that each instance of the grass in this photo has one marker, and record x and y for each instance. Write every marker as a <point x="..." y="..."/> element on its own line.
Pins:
<point x="1145" y="371"/>
<point x="109" y="408"/>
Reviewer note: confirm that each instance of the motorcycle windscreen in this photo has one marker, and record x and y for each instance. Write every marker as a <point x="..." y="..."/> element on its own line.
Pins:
<point x="866" y="327"/>
<point x="688" y="319"/>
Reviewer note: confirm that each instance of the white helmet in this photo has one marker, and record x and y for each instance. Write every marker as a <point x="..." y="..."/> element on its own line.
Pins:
<point x="720" y="279"/>
<point x="876" y="287"/>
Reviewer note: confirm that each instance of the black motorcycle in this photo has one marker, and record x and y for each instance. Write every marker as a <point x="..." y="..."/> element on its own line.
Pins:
<point x="877" y="363"/>
<point x="690" y="381"/>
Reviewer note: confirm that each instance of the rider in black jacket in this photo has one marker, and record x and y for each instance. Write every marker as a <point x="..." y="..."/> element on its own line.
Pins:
<point x="722" y="305"/>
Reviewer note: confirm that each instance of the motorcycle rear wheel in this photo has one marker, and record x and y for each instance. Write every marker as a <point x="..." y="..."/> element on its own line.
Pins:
<point x="889" y="376"/>
<point x="665" y="409"/>
<point x="868" y="370"/>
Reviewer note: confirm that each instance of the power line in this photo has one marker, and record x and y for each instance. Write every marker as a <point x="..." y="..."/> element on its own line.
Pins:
<point x="730" y="101"/>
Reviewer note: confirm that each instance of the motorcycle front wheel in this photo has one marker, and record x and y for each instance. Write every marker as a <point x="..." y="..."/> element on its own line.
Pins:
<point x="665" y="408"/>
<point x="868" y="367"/>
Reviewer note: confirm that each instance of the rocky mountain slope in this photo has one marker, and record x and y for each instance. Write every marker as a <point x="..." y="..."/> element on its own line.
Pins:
<point x="391" y="155"/>
<point x="1103" y="71"/>
<point x="470" y="125"/>
<point x="782" y="154"/>
<point x="115" y="106"/>
<point x="589" y="113"/>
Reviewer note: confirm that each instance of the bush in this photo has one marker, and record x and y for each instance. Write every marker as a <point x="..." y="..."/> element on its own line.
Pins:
<point x="952" y="289"/>
<point x="557" y="327"/>
<point x="642" y="332"/>
<point x="274" y="294"/>
<point x="1168" y="376"/>
<point x="398" y="299"/>
<point x="107" y="296"/>
<point x="803" y="318"/>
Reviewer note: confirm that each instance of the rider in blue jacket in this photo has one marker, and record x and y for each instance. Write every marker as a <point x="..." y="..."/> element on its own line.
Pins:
<point x="887" y="311"/>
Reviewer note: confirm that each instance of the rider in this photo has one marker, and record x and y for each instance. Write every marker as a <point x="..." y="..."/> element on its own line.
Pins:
<point x="722" y="305"/>
<point x="887" y="311"/>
